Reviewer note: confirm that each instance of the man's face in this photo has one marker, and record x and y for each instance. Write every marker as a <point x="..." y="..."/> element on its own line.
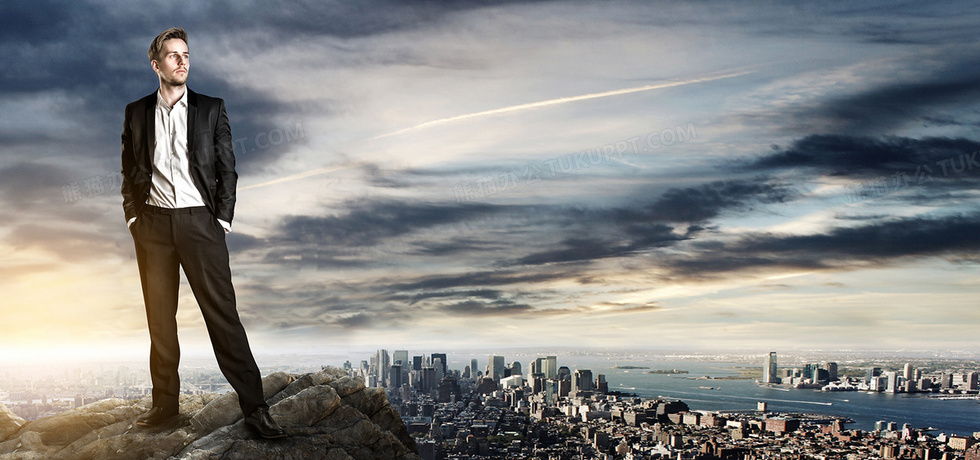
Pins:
<point x="173" y="63"/>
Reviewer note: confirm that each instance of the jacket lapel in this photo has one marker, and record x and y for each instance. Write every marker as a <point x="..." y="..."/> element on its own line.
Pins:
<point x="191" y="123"/>
<point x="151" y="124"/>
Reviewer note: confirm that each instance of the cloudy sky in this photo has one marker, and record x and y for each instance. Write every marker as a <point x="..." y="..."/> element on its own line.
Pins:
<point x="475" y="174"/>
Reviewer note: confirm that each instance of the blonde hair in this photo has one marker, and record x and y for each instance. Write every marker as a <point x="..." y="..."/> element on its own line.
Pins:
<point x="157" y="45"/>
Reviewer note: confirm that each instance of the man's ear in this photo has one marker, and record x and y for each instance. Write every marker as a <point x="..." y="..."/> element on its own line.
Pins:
<point x="154" y="65"/>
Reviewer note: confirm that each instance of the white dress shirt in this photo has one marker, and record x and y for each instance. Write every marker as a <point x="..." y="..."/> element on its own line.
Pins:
<point x="172" y="186"/>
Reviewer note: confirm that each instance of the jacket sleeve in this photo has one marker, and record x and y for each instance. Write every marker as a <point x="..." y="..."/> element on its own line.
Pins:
<point x="129" y="168"/>
<point x="226" y="179"/>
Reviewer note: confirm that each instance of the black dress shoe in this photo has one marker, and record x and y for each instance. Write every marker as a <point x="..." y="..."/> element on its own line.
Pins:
<point x="263" y="425"/>
<point x="156" y="416"/>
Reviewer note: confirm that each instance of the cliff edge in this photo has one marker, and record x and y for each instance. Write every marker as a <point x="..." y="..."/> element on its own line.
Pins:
<point x="326" y="415"/>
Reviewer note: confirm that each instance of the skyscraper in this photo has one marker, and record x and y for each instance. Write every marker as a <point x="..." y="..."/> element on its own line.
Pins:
<point x="550" y="368"/>
<point x="382" y="365"/>
<point x="445" y="366"/>
<point x="495" y="369"/>
<point x="891" y="385"/>
<point x="551" y="392"/>
<point x="395" y="375"/>
<point x="831" y="371"/>
<point x="515" y="368"/>
<point x="601" y="385"/>
<point x="564" y="373"/>
<point x="810" y="371"/>
<point x="438" y="365"/>
<point x="769" y="373"/>
<point x="872" y="373"/>
<point x="429" y="381"/>
<point x="400" y="357"/>
<point x="582" y="381"/>
<point x="473" y="368"/>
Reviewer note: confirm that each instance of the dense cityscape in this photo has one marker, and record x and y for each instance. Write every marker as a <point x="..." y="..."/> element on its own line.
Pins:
<point x="557" y="413"/>
<point x="500" y="409"/>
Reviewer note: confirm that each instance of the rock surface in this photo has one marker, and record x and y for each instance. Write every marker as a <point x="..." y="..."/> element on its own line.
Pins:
<point x="326" y="415"/>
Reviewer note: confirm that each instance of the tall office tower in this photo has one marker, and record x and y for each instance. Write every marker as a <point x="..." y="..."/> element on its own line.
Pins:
<point x="551" y="392"/>
<point x="445" y="363"/>
<point x="515" y="368"/>
<point x="581" y="381"/>
<point x="416" y="363"/>
<point x="809" y="371"/>
<point x="908" y="372"/>
<point x="831" y="371"/>
<point x="536" y="382"/>
<point x="891" y="385"/>
<point x="551" y="367"/>
<point x="474" y="365"/>
<point x="429" y="381"/>
<point x="564" y="373"/>
<point x="973" y="381"/>
<point x="466" y="372"/>
<point x="372" y="376"/>
<point x="400" y="357"/>
<point x="535" y="367"/>
<point x="769" y="373"/>
<point x="601" y="385"/>
<point x="395" y="375"/>
<point x="495" y="370"/>
<point x="439" y="367"/>
<point x="872" y="373"/>
<point x="383" y="363"/>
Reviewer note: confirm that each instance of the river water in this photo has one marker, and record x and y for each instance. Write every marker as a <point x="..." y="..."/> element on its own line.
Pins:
<point x="950" y="416"/>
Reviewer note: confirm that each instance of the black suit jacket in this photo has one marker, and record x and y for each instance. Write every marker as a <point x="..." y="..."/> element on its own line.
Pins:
<point x="209" y="146"/>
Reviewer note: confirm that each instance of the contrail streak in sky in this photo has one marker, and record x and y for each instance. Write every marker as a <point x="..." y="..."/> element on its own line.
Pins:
<point x="302" y="175"/>
<point x="562" y="100"/>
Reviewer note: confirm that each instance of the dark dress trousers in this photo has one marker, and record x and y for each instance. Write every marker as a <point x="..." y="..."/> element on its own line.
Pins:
<point x="191" y="238"/>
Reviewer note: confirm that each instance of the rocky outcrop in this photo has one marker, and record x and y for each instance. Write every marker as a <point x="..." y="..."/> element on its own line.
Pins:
<point x="10" y="423"/>
<point x="326" y="415"/>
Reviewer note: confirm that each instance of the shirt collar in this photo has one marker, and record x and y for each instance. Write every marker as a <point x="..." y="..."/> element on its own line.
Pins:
<point x="180" y="102"/>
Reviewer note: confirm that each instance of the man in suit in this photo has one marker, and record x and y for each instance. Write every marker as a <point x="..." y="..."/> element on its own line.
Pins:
<point x="178" y="189"/>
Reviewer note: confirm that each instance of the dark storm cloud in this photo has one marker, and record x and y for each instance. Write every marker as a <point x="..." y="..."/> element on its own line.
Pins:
<point x="473" y="279"/>
<point x="620" y="232"/>
<point x="492" y="232"/>
<point x="486" y="294"/>
<point x="705" y="202"/>
<point x="457" y="245"/>
<point x="477" y="308"/>
<point x="894" y="106"/>
<point x="945" y="96"/>
<point x="841" y="155"/>
<point x="597" y="247"/>
<point x="841" y="248"/>
<point x="930" y="168"/>
<point x="371" y="223"/>
<point x="240" y="242"/>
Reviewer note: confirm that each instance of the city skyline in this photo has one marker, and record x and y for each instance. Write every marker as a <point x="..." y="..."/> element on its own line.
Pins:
<point x="477" y="175"/>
